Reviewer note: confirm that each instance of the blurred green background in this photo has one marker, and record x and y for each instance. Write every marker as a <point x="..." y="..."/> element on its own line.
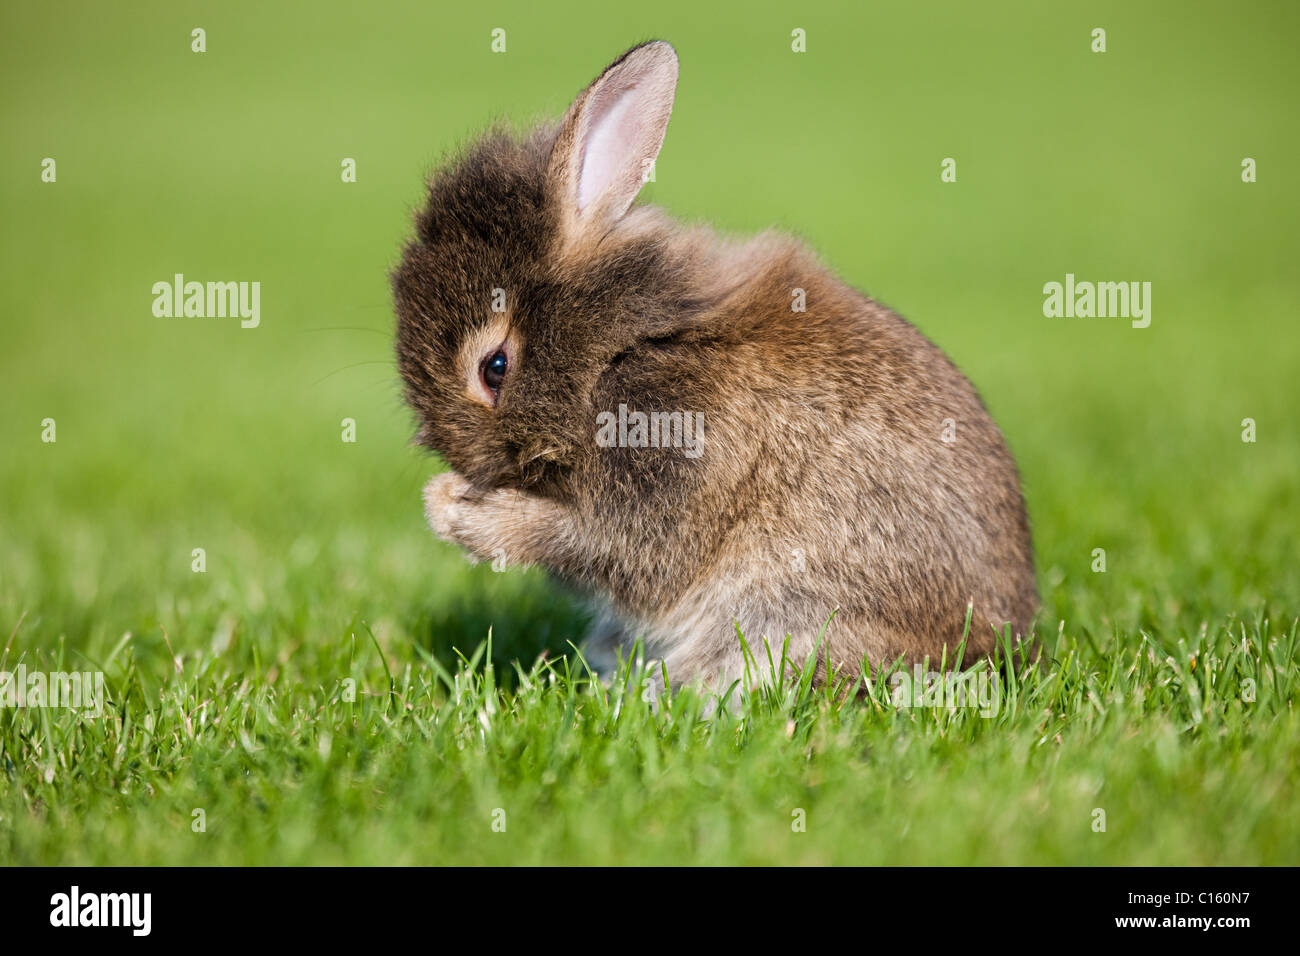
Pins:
<point x="175" y="434"/>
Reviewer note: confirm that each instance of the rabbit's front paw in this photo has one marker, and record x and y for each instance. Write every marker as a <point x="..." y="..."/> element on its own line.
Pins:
<point x="442" y="496"/>
<point x="492" y="526"/>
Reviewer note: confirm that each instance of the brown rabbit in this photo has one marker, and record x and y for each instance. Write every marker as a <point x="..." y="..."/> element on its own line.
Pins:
<point x="712" y="436"/>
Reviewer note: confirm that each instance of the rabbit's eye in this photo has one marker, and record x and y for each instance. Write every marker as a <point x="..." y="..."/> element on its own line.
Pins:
<point x="494" y="370"/>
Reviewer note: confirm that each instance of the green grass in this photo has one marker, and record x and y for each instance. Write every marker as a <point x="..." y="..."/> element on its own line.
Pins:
<point x="290" y="771"/>
<point x="1167" y="694"/>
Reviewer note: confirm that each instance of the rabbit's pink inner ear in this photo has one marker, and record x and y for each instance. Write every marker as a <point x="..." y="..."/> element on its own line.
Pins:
<point x="614" y="136"/>
<point x="623" y="120"/>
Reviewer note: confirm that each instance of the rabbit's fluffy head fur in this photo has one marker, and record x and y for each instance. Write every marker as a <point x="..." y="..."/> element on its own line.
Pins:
<point x="525" y="242"/>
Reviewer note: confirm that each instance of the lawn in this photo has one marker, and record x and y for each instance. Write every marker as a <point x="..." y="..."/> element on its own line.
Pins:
<point x="336" y="686"/>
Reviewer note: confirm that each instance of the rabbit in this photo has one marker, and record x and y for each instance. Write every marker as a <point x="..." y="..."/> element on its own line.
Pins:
<point x="848" y="493"/>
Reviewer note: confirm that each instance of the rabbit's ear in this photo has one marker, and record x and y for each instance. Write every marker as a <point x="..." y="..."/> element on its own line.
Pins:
<point x="610" y="138"/>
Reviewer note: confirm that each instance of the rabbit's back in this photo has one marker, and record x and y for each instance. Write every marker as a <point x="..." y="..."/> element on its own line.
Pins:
<point x="847" y="466"/>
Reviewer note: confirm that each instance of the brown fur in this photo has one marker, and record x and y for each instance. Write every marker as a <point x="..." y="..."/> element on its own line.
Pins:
<point x="822" y="429"/>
